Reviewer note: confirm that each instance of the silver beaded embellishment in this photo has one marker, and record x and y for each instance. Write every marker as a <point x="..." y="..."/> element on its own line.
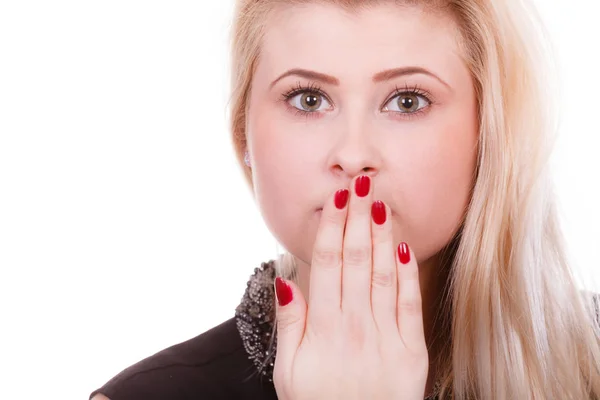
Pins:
<point x="255" y="321"/>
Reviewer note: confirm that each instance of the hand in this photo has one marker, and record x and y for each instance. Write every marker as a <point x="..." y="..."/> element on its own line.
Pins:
<point x="361" y="336"/>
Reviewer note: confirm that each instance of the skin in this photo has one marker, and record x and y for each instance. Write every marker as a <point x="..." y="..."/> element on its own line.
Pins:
<point x="362" y="336"/>
<point x="421" y="167"/>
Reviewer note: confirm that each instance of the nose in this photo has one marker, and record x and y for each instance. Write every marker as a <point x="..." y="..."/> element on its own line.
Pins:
<point x="356" y="153"/>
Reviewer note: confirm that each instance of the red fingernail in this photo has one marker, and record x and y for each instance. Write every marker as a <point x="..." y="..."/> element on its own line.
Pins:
<point x="284" y="292"/>
<point x="362" y="185"/>
<point x="378" y="212"/>
<point x="403" y="253"/>
<point x="341" y="198"/>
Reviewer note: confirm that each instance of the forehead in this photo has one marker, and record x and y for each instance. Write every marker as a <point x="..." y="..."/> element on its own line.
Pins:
<point x="327" y="38"/>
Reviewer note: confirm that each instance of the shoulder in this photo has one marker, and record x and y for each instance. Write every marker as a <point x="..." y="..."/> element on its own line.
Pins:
<point x="212" y="365"/>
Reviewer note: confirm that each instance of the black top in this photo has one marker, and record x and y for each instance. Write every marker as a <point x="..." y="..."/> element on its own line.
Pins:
<point x="213" y="365"/>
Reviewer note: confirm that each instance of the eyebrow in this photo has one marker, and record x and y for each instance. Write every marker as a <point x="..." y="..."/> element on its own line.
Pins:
<point x="378" y="77"/>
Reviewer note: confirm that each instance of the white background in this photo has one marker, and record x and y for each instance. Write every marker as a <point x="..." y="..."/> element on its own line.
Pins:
<point x="125" y="224"/>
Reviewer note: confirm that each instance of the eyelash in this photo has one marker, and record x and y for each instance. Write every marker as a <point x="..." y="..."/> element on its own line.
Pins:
<point x="315" y="89"/>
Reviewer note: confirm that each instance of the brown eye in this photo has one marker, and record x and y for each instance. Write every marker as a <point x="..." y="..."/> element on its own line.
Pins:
<point x="310" y="101"/>
<point x="407" y="103"/>
<point x="307" y="101"/>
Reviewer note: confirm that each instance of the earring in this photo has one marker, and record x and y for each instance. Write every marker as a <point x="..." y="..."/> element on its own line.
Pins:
<point x="247" y="159"/>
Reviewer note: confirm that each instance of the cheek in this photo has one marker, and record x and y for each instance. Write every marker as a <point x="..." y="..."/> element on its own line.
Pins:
<point x="436" y="194"/>
<point x="282" y="174"/>
<point x="280" y="164"/>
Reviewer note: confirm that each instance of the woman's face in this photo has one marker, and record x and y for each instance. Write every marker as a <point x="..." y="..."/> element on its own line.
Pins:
<point x="349" y="111"/>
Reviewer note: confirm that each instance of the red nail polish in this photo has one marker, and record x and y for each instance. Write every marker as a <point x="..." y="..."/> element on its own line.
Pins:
<point x="341" y="198"/>
<point x="403" y="253"/>
<point x="362" y="185"/>
<point x="284" y="292"/>
<point x="378" y="212"/>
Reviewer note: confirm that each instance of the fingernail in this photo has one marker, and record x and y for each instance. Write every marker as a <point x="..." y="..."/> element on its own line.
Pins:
<point x="378" y="212"/>
<point x="362" y="185"/>
<point x="284" y="292"/>
<point x="341" y="198"/>
<point x="403" y="253"/>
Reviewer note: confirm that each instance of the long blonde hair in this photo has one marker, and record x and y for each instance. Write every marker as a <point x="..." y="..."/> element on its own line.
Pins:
<point x="514" y="324"/>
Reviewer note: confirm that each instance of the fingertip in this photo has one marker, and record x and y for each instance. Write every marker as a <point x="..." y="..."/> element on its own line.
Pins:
<point x="404" y="253"/>
<point x="335" y="208"/>
<point x="362" y="185"/>
<point x="340" y="198"/>
<point x="379" y="213"/>
<point x="407" y="266"/>
<point x="283" y="292"/>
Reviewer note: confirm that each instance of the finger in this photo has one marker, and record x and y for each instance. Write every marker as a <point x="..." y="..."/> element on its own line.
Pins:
<point x="291" y="321"/>
<point x="384" y="280"/>
<point x="326" y="263"/>
<point x="357" y="251"/>
<point x="410" y="311"/>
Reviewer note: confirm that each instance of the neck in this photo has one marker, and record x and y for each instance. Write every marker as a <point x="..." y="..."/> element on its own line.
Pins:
<point x="432" y="277"/>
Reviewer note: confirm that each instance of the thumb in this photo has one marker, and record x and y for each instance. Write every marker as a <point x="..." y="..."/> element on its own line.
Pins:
<point x="291" y="320"/>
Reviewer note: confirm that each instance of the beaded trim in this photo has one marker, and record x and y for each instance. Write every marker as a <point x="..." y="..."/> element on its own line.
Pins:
<point x="255" y="318"/>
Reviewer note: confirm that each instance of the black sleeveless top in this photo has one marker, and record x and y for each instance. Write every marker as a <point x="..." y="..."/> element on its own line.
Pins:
<point x="213" y="365"/>
<point x="233" y="360"/>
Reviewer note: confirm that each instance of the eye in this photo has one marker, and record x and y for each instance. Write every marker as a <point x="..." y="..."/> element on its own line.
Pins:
<point x="407" y="103"/>
<point x="308" y="101"/>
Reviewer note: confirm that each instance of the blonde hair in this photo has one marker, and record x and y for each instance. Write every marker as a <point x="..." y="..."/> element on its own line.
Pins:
<point x="514" y="324"/>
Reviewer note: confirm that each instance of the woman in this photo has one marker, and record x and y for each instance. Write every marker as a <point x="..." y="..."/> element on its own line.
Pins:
<point x="399" y="151"/>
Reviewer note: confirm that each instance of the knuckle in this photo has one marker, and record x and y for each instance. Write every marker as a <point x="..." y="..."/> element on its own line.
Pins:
<point x="319" y="327"/>
<point x="384" y="279"/>
<point x="357" y="256"/>
<point x="410" y="306"/>
<point x="287" y="322"/>
<point x="331" y="218"/>
<point x="382" y="237"/>
<point x="326" y="256"/>
<point x="420" y="356"/>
